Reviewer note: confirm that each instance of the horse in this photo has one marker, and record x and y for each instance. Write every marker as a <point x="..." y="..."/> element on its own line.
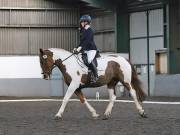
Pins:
<point x="111" y="70"/>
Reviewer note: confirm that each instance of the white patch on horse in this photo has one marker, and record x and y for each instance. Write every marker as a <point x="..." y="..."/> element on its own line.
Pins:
<point x="44" y="56"/>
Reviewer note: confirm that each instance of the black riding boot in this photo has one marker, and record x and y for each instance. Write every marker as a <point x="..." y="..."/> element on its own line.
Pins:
<point x="93" y="74"/>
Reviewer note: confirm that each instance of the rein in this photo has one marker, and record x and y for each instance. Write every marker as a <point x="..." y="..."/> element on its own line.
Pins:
<point x="76" y="58"/>
<point x="68" y="57"/>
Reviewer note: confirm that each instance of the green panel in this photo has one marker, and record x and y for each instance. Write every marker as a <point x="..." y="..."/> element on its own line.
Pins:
<point x="174" y="54"/>
<point x="122" y="32"/>
<point x="172" y="63"/>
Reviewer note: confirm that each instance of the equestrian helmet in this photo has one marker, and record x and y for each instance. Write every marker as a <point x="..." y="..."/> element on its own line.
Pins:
<point x="85" y="18"/>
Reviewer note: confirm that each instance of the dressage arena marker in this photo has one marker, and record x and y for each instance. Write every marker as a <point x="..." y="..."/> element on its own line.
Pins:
<point x="93" y="100"/>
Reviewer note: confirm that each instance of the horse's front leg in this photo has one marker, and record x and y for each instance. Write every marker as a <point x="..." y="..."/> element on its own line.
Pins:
<point x="72" y="87"/>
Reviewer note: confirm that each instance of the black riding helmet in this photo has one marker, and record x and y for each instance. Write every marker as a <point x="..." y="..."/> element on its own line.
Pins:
<point x="85" y="18"/>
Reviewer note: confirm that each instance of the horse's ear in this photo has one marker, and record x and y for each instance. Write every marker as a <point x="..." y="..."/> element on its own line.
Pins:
<point x="41" y="50"/>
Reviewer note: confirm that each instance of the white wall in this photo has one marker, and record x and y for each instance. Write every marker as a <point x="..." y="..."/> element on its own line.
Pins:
<point x="20" y="67"/>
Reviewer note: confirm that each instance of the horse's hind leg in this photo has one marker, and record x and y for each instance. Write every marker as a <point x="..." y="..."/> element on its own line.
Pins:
<point x="83" y="100"/>
<point x="112" y="98"/>
<point x="134" y="96"/>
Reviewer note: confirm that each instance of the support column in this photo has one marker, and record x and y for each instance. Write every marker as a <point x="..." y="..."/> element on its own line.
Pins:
<point x="122" y="34"/>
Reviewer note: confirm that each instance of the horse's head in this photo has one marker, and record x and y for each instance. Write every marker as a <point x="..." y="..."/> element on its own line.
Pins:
<point x="46" y="62"/>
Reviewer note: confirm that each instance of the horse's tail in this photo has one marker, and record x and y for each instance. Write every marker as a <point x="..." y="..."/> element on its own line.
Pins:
<point x="136" y="83"/>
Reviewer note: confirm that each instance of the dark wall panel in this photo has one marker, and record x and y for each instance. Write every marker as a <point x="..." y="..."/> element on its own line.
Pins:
<point x="26" y="25"/>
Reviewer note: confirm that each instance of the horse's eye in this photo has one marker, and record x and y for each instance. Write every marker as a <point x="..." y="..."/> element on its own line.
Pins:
<point x="44" y="56"/>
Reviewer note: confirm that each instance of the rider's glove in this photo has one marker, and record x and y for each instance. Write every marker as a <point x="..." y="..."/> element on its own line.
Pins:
<point x="74" y="50"/>
<point x="77" y="50"/>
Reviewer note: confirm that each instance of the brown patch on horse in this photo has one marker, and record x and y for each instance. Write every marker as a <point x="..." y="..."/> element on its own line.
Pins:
<point x="112" y="75"/>
<point x="62" y="68"/>
<point x="127" y="86"/>
<point x="79" y="93"/>
<point x="112" y="84"/>
<point x="114" y="71"/>
<point x="84" y="78"/>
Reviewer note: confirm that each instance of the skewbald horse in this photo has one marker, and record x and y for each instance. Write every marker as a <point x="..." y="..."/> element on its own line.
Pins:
<point x="111" y="70"/>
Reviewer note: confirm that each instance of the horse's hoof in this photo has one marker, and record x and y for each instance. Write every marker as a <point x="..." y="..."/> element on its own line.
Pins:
<point x="57" y="117"/>
<point x="143" y="115"/>
<point x="96" y="116"/>
<point x="105" y="117"/>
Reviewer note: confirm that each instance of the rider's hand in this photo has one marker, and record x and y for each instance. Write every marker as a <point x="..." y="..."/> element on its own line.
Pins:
<point x="74" y="50"/>
<point x="77" y="50"/>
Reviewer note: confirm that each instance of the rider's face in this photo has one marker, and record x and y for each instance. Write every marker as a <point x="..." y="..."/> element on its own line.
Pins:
<point x="83" y="24"/>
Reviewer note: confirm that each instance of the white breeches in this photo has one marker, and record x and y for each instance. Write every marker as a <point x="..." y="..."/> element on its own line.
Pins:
<point x="90" y="55"/>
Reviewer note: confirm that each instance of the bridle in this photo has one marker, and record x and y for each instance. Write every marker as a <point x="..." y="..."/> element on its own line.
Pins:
<point x="54" y="64"/>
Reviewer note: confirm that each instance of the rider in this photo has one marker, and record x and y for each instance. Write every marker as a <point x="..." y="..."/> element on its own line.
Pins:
<point x="87" y="45"/>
